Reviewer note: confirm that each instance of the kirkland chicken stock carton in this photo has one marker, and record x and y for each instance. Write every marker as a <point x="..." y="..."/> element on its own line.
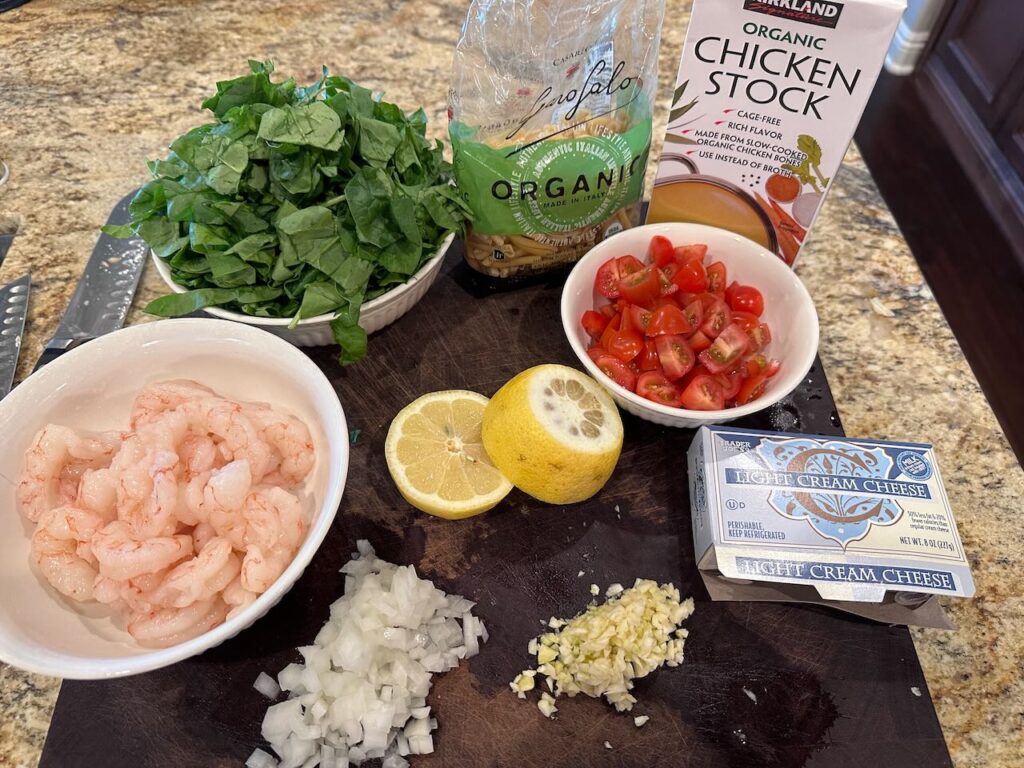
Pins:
<point x="766" y="101"/>
<point x="859" y="525"/>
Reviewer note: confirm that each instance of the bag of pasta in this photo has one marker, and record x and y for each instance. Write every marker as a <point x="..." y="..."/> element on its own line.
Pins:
<point x="550" y="122"/>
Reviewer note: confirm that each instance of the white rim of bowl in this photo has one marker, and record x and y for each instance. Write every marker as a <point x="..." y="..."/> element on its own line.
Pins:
<point x="226" y="314"/>
<point x="738" y="411"/>
<point x="111" y="667"/>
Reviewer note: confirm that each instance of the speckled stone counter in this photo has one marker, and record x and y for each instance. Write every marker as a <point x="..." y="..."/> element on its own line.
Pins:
<point x="89" y="92"/>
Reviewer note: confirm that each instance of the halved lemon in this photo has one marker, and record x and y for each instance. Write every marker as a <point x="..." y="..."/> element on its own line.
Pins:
<point x="437" y="459"/>
<point x="554" y="432"/>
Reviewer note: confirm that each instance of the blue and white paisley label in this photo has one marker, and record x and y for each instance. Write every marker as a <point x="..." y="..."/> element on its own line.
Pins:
<point x="831" y="508"/>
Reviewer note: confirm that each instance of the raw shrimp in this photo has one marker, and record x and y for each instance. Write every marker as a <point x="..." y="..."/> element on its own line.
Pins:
<point x="164" y="396"/>
<point x="122" y="557"/>
<point x="97" y="492"/>
<point x="260" y="569"/>
<point x="177" y="523"/>
<point x="198" y="454"/>
<point x="201" y="535"/>
<point x="292" y="440"/>
<point x="273" y="519"/>
<point x="54" y="450"/>
<point x="56" y="545"/>
<point x="224" y="420"/>
<point x="223" y="497"/>
<point x="274" y="528"/>
<point x="201" y="578"/>
<point x="169" y="626"/>
<point x="238" y="597"/>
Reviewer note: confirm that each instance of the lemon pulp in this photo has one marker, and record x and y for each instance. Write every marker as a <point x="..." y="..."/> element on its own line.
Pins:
<point x="436" y="457"/>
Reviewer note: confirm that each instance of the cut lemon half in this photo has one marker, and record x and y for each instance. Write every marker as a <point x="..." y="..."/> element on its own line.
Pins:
<point x="436" y="456"/>
<point x="554" y="432"/>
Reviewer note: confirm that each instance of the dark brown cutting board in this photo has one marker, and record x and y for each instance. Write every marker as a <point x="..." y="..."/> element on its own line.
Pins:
<point x="830" y="689"/>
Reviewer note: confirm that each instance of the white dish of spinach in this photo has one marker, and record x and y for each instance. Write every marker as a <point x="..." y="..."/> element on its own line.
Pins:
<point x="296" y="202"/>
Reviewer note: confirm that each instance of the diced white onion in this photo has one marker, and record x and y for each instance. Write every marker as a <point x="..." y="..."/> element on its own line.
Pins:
<point x="266" y="685"/>
<point x="361" y="691"/>
<point x="260" y="759"/>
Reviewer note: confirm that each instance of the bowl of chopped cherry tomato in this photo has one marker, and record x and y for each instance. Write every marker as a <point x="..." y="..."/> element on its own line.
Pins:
<point x="687" y="324"/>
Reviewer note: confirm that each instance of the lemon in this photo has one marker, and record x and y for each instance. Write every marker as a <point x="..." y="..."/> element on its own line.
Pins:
<point x="554" y="432"/>
<point x="437" y="459"/>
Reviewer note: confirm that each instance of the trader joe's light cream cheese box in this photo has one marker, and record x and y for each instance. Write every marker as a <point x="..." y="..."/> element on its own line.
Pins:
<point x="862" y="525"/>
<point x="766" y="101"/>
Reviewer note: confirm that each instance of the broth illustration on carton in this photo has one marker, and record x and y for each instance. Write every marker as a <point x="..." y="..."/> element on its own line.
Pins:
<point x="863" y="525"/>
<point x="766" y="101"/>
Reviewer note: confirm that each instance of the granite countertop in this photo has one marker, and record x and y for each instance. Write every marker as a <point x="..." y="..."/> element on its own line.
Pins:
<point x="90" y="94"/>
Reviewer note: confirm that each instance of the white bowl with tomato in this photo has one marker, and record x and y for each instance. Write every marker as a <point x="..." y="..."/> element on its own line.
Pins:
<point x="687" y="324"/>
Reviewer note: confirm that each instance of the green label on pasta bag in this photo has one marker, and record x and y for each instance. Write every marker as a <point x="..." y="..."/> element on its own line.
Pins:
<point x="552" y="185"/>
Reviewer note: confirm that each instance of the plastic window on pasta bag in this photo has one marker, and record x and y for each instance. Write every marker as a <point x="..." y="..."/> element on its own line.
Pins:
<point x="550" y="122"/>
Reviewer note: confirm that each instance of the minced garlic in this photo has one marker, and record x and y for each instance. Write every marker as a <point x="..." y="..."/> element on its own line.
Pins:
<point x="601" y="651"/>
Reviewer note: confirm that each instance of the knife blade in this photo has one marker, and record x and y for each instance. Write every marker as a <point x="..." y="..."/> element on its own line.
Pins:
<point x="13" y="311"/>
<point x="105" y="291"/>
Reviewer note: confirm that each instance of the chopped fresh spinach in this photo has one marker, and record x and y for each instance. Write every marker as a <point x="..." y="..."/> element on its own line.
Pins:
<point x="296" y="202"/>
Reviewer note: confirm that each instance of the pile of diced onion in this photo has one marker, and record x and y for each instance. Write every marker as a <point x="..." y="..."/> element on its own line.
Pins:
<point x="601" y="651"/>
<point x="362" y="691"/>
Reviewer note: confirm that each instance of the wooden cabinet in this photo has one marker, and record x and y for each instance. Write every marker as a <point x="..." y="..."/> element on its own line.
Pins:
<point x="973" y="83"/>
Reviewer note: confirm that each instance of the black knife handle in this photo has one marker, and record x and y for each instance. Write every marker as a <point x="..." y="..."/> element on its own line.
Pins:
<point x="49" y="355"/>
<point x="52" y="353"/>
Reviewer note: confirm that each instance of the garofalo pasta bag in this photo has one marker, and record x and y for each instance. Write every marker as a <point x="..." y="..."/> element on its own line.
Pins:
<point x="550" y="122"/>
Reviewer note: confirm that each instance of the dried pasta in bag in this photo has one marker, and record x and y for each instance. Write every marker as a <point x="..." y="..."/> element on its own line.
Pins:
<point x="550" y="122"/>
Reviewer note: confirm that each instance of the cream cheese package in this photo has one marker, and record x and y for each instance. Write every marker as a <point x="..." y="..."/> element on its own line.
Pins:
<point x="766" y="101"/>
<point x="844" y="521"/>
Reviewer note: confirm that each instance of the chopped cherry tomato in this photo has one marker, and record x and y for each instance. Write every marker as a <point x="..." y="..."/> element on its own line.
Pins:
<point x="697" y="370"/>
<point x="625" y="345"/>
<point x="656" y="387"/>
<point x="730" y="292"/>
<point x="594" y="323"/>
<point x="694" y="340"/>
<point x="752" y="388"/>
<point x="639" y="318"/>
<point x="685" y="253"/>
<point x="716" y="278"/>
<point x="613" y="326"/>
<point x="640" y="287"/>
<point x="660" y="251"/>
<point x="617" y="371"/>
<point x="691" y="277"/>
<point x="703" y="393"/>
<point x="606" y="282"/>
<point x="746" y="298"/>
<point x="753" y="365"/>
<point x="628" y="265"/>
<point x="699" y="341"/>
<point x="648" y="359"/>
<point x="748" y="321"/>
<point x="668" y="318"/>
<point x="707" y="300"/>
<point x="665" y="281"/>
<point x="716" y="317"/>
<point x="730" y="345"/>
<point x="694" y="312"/>
<point x="675" y="355"/>
<point x="731" y="383"/>
<point x="760" y="336"/>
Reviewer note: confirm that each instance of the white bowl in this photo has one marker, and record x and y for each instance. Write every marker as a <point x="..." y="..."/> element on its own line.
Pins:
<point x="789" y="312"/>
<point x="316" y="331"/>
<point x="92" y="387"/>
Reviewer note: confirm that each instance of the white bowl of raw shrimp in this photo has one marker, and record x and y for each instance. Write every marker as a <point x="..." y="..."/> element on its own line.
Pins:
<point x="285" y="460"/>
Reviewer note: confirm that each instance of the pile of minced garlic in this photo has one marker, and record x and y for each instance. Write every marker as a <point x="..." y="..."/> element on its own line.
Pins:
<point x="601" y="651"/>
